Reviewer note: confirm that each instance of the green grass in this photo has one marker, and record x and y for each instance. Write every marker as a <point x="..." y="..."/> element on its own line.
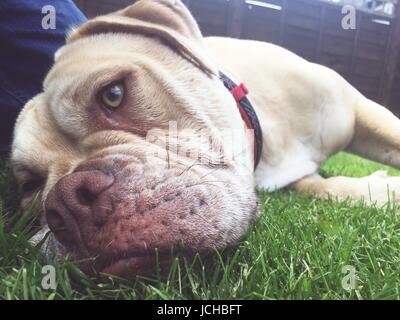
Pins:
<point x="296" y="251"/>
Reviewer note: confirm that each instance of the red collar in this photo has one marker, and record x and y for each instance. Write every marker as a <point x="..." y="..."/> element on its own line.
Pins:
<point x="249" y="116"/>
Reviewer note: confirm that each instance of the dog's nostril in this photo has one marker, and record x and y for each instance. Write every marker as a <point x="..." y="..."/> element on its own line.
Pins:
<point x="85" y="196"/>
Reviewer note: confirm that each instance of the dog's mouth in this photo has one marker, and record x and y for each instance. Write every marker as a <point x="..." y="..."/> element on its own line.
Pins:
<point x="130" y="265"/>
<point x="124" y="265"/>
<point x="125" y="218"/>
<point x="136" y="264"/>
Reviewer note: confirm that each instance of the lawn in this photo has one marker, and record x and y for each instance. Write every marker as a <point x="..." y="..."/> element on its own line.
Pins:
<point x="296" y="251"/>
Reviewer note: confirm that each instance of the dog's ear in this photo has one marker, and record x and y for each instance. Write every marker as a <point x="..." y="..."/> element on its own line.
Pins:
<point x="169" y="20"/>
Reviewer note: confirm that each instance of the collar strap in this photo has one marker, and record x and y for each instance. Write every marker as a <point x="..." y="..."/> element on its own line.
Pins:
<point x="249" y="116"/>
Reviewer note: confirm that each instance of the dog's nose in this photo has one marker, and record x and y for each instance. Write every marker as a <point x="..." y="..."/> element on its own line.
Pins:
<point x="71" y="202"/>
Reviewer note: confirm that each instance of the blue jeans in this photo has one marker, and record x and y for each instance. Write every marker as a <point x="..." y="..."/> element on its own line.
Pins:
<point x="27" y="53"/>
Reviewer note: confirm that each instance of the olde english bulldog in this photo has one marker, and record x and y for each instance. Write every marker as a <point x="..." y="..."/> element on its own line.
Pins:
<point x="136" y="145"/>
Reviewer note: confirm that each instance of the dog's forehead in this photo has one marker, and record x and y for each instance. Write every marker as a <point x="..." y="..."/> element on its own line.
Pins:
<point x="89" y="53"/>
<point x="87" y="65"/>
<point x="78" y="59"/>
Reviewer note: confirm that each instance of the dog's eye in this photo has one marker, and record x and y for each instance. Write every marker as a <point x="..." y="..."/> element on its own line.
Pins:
<point x="112" y="96"/>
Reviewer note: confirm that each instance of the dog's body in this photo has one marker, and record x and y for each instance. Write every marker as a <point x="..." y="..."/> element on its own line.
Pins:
<point x="304" y="109"/>
<point x="308" y="112"/>
<point x="112" y="191"/>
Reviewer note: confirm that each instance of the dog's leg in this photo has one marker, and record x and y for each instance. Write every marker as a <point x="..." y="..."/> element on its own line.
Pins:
<point x="376" y="137"/>
<point x="377" y="188"/>
<point x="377" y="133"/>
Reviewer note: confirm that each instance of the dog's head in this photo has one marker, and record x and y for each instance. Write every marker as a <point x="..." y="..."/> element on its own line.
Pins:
<point x="135" y="144"/>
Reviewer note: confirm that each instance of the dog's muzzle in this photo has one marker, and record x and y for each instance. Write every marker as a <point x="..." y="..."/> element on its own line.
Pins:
<point x="127" y="213"/>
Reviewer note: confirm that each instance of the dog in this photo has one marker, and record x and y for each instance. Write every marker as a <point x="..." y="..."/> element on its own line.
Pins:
<point x="136" y="146"/>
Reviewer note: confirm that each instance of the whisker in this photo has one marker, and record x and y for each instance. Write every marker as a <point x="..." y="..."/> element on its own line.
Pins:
<point x="189" y="167"/>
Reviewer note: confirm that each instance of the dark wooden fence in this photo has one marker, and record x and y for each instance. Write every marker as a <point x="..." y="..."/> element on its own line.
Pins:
<point x="368" y="56"/>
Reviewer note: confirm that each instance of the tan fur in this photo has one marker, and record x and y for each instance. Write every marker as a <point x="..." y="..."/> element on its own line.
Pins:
<point x="303" y="104"/>
<point x="307" y="112"/>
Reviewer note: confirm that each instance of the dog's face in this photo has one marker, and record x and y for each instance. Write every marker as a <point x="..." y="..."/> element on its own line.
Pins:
<point x="125" y="143"/>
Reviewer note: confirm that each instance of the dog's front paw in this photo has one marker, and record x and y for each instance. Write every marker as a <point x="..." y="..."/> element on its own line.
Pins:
<point x="380" y="174"/>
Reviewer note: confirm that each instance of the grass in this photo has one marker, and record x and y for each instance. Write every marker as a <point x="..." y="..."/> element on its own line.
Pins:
<point x="296" y="251"/>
